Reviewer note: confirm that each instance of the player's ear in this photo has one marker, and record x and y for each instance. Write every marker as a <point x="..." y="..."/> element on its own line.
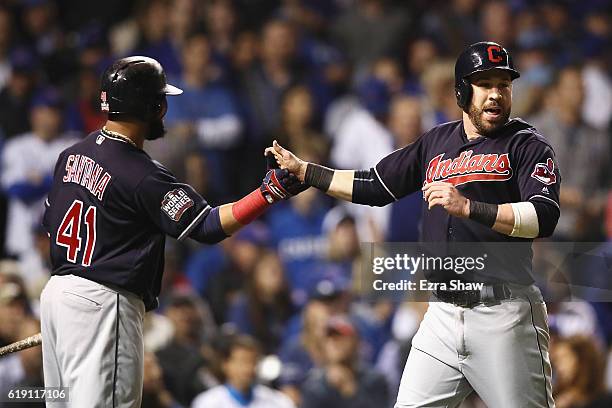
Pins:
<point x="162" y="107"/>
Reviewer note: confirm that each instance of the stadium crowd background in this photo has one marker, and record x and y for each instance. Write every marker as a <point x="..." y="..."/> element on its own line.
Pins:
<point x="342" y="82"/>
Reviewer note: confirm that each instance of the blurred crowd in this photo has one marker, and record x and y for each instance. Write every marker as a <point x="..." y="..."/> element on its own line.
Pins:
<point x="339" y="82"/>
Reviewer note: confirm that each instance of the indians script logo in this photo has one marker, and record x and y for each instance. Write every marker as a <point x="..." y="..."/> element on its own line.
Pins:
<point x="468" y="168"/>
<point x="175" y="203"/>
<point x="545" y="172"/>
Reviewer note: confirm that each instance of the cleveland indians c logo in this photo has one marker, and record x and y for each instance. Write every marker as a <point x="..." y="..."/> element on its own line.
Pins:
<point x="495" y="53"/>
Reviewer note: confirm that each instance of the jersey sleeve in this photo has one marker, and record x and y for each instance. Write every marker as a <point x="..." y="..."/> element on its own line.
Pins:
<point x="174" y="208"/>
<point x="401" y="171"/>
<point x="538" y="175"/>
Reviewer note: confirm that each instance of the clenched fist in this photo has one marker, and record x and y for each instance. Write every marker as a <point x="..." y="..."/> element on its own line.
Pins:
<point x="447" y="196"/>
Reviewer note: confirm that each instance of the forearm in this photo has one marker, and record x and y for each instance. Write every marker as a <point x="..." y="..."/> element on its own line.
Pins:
<point x="226" y="219"/>
<point x="341" y="186"/>
<point x="360" y="187"/>
<point x="504" y="222"/>
<point x="523" y="219"/>
<point x="336" y="183"/>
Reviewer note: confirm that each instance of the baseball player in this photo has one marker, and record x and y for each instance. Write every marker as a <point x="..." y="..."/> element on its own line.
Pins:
<point x="108" y="212"/>
<point x="485" y="178"/>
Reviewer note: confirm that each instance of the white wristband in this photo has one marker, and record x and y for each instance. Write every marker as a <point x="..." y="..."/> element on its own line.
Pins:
<point x="525" y="220"/>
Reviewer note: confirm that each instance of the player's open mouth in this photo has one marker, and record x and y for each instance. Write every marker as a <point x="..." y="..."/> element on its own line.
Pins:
<point x="492" y="113"/>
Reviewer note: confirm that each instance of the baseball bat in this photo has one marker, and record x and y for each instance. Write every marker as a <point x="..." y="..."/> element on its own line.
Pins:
<point x="32" y="341"/>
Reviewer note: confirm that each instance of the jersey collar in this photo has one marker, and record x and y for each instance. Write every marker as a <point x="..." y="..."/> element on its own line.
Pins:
<point x="239" y="397"/>
<point x="512" y="126"/>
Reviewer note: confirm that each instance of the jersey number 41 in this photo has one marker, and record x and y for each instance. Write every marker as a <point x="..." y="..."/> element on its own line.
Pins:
<point x="69" y="232"/>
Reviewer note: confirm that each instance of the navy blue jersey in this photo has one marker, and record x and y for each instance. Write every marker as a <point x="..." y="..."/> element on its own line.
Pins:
<point x="109" y="211"/>
<point x="514" y="164"/>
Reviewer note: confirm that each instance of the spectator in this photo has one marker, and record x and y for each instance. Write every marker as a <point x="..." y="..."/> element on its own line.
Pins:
<point x="440" y="104"/>
<point x="360" y="142"/>
<point x="183" y="21"/>
<point x="388" y="70"/>
<point x="597" y="107"/>
<point x="154" y="36"/>
<point x="296" y="230"/>
<point x="23" y="369"/>
<point x="344" y="381"/>
<point x="579" y="366"/>
<point x="16" y="95"/>
<point x="87" y="103"/>
<point x="6" y="36"/>
<point x="392" y="358"/>
<point x="37" y="262"/>
<point x="231" y="269"/>
<point x="154" y="393"/>
<point x="264" y="83"/>
<point x="497" y="22"/>
<point x="422" y="52"/>
<point x="14" y="304"/>
<point x="298" y="125"/>
<point x="370" y="30"/>
<point x="28" y="161"/>
<point x="559" y="23"/>
<point x="454" y="25"/>
<point x="43" y="34"/>
<point x="300" y="353"/>
<point x="578" y="147"/>
<point x="265" y="306"/>
<point x="207" y="112"/>
<point x="221" y="21"/>
<point x="537" y="71"/>
<point x="406" y="127"/>
<point x="244" y="52"/>
<point x="362" y="138"/>
<point x="343" y="242"/>
<point x="331" y="286"/>
<point x="185" y="370"/>
<point x="240" y="389"/>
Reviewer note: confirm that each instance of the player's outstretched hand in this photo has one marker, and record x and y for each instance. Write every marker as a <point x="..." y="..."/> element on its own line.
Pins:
<point x="448" y="197"/>
<point x="279" y="184"/>
<point x="287" y="160"/>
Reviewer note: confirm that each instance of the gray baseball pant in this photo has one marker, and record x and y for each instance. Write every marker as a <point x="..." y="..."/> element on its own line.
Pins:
<point x="498" y="350"/>
<point x="92" y="343"/>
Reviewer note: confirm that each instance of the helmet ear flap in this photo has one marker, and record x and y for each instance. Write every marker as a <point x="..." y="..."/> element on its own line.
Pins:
<point x="463" y="92"/>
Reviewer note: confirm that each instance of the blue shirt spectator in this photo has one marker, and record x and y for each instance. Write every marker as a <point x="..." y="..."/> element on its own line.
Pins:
<point x="297" y="232"/>
<point x="207" y="112"/>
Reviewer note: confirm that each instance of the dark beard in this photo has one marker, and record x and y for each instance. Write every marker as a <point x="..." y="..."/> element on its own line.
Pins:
<point x="486" y="128"/>
<point x="156" y="130"/>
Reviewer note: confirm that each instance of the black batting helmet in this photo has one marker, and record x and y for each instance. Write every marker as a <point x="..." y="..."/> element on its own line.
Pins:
<point x="478" y="57"/>
<point x="135" y="86"/>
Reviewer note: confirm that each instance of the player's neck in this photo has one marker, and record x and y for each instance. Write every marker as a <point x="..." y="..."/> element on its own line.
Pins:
<point x="470" y="130"/>
<point x="131" y="130"/>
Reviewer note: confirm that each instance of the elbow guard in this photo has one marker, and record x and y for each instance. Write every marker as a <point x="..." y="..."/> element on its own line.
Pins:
<point x="367" y="189"/>
<point x="534" y="219"/>
<point x="209" y="231"/>
<point x="525" y="220"/>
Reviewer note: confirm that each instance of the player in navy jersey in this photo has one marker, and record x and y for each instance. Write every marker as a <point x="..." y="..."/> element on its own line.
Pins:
<point x="485" y="178"/>
<point x="107" y="214"/>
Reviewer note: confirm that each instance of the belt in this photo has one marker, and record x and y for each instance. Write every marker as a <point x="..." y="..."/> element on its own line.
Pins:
<point x="470" y="298"/>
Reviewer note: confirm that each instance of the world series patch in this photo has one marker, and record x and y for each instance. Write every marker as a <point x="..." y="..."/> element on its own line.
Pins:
<point x="175" y="203"/>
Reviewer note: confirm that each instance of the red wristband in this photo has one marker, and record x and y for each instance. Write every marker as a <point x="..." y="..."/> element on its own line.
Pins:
<point x="249" y="207"/>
